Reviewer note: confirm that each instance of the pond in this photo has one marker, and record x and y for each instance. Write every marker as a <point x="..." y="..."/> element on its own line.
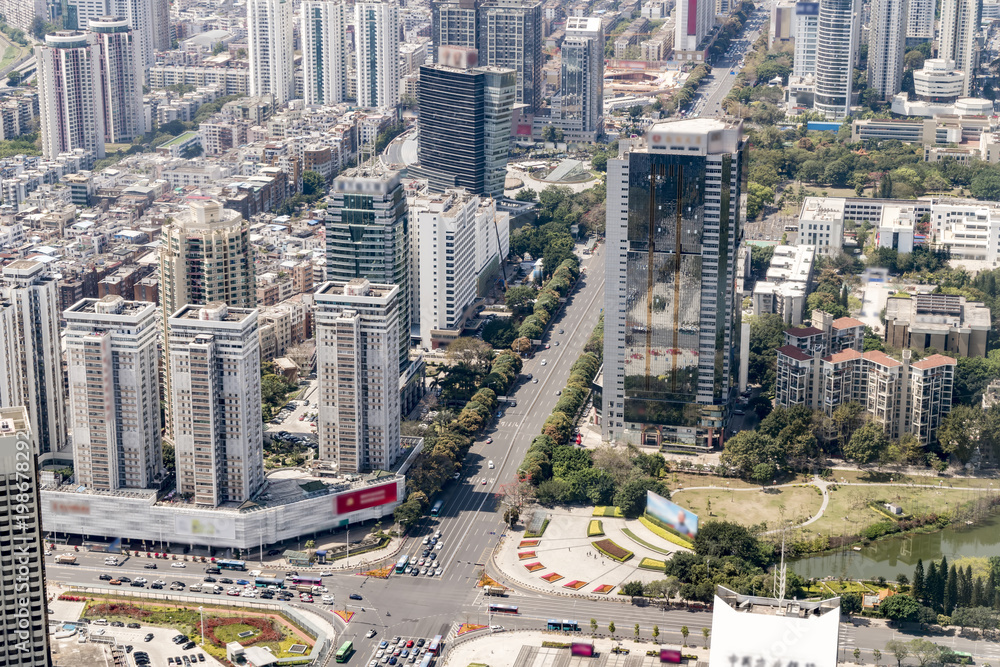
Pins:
<point x="890" y="557"/>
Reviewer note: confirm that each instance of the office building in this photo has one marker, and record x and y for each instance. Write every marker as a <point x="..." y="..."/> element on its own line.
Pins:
<point x="24" y="634"/>
<point x="367" y="236"/>
<point x="510" y="37"/>
<point x="269" y="37"/>
<point x="580" y="103"/>
<point x="945" y="322"/>
<point x="957" y="38"/>
<point x="22" y="13"/>
<point x="938" y="81"/>
<point x="822" y="367"/>
<point x="323" y="32"/>
<point x="69" y="96"/>
<point x="357" y="343"/>
<point x="672" y="335"/>
<point x="806" y="38"/>
<point x="920" y="20"/>
<point x="781" y="28"/>
<point x="454" y="23"/>
<point x="836" y="52"/>
<point x="376" y="44"/>
<point x="886" y="45"/>
<point x="789" y="278"/>
<point x="31" y="363"/>
<point x="465" y="117"/>
<point x="114" y="395"/>
<point x="120" y="79"/>
<point x="694" y="21"/>
<point x="215" y="393"/>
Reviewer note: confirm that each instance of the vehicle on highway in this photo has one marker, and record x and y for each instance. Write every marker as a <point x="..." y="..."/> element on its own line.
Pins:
<point x="355" y="596"/>
<point x="535" y="381"/>
<point x="178" y="565"/>
<point x="544" y="362"/>
<point x="370" y="633"/>
<point x="150" y="566"/>
<point x="484" y="481"/>
<point x="148" y="637"/>
<point x="106" y="577"/>
<point x="491" y="465"/>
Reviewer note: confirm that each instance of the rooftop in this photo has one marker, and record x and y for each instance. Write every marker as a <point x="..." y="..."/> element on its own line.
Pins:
<point x="934" y="361"/>
<point x="840" y="357"/>
<point x="803" y="332"/>
<point x="882" y="359"/>
<point x="794" y="353"/>
<point x="846" y="323"/>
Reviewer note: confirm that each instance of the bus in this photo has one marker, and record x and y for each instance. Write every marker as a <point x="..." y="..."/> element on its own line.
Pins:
<point x="402" y="563"/>
<point x="231" y="564"/>
<point x="435" y="646"/>
<point x="426" y="662"/>
<point x="503" y="608"/>
<point x="345" y="651"/>
<point x="264" y="582"/>
<point x="565" y="626"/>
<point x="301" y="580"/>
<point x="437" y="508"/>
<point x="960" y="657"/>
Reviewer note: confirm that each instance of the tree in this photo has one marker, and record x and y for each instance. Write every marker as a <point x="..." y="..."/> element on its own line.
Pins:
<point x="748" y="449"/>
<point x="926" y="652"/>
<point x="14" y="78"/>
<point x="526" y="194"/>
<point x="313" y="184"/>
<point x="950" y="591"/>
<point x="766" y="336"/>
<point x="866" y="444"/>
<point x="593" y="626"/>
<point x="611" y="629"/>
<point x="918" y="580"/>
<point x="476" y="353"/>
<point x="632" y="588"/>
<point x="850" y="603"/>
<point x="310" y="544"/>
<point x="986" y="185"/>
<point x="899" y="650"/>
<point x="705" y="632"/>
<point x="521" y="345"/>
<point x="500" y="333"/>
<point x="656" y="633"/>
<point x="635" y="632"/>
<point x="900" y="607"/>
<point x="876" y="656"/>
<point x="511" y="516"/>
<point x="631" y="496"/>
<point x="857" y="655"/>
<point x="684" y="634"/>
<point x="520" y="298"/>
<point x="763" y="473"/>
<point x="723" y="538"/>
<point x="960" y="431"/>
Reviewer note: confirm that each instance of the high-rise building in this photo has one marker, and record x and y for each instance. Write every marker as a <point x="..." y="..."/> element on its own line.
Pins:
<point x="161" y="25"/>
<point x="836" y="51"/>
<point x="376" y="42"/>
<point x="114" y="393"/>
<point x="367" y="236"/>
<point x="215" y="393"/>
<point x="140" y="15"/>
<point x="957" y="38"/>
<point x="672" y="329"/>
<point x="510" y="36"/>
<point x="22" y="13"/>
<point x="69" y="97"/>
<point x="24" y="634"/>
<point x="806" y="38"/>
<point x="357" y="339"/>
<point x="886" y="45"/>
<point x="205" y="258"/>
<point x="454" y="23"/>
<point x="31" y="363"/>
<point x="465" y="117"/>
<point x="269" y="37"/>
<point x="323" y="32"/>
<point x="120" y="79"/>
<point x="920" y="20"/>
<point x="694" y="21"/>
<point x="581" y="83"/>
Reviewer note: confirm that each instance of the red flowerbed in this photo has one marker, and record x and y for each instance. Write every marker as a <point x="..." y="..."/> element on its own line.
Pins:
<point x="603" y="588"/>
<point x="575" y="584"/>
<point x="72" y="598"/>
<point x="532" y="567"/>
<point x="552" y="577"/>
<point x="528" y="543"/>
<point x="613" y="550"/>
<point x="266" y="630"/>
<point x="525" y="554"/>
<point x="118" y="609"/>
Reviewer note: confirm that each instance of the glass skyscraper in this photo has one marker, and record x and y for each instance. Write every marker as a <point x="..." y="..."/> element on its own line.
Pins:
<point x="672" y="326"/>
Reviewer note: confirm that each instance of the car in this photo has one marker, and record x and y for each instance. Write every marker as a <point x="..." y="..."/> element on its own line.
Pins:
<point x="159" y="582"/>
<point x="395" y="640"/>
<point x="379" y="654"/>
<point x="242" y="582"/>
<point x="456" y="475"/>
<point x="559" y="392"/>
<point x="188" y="646"/>
<point x="557" y="343"/>
<point x="142" y="580"/>
<point x="124" y="580"/>
<point x="150" y="566"/>
<point x="420" y="643"/>
<point x="232" y="593"/>
<point x="370" y="633"/>
<point x="426" y="540"/>
<point x="547" y="346"/>
<point x="181" y="565"/>
<point x="534" y="381"/>
<point x="544" y="362"/>
<point x="133" y="626"/>
<point x="437" y="535"/>
<point x="156" y="586"/>
<point x="98" y="631"/>
<point x="423" y="570"/>
<point x="491" y="466"/>
<point x="225" y="580"/>
<point x="405" y="653"/>
<point x="373" y="663"/>
<point x="433" y="556"/>
<point x="179" y="639"/>
<point x="433" y="541"/>
<point x="425" y="553"/>
<point x="326" y="574"/>
<point x="148" y="637"/>
<point x="439" y="545"/>
<point x="415" y="572"/>
<point x="483" y="481"/>
<point x="327" y="599"/>
<point x="496" y="628"/>
<point x="383" y="644"/>
<point x="355" y="596"/>
<point x="201" y="657"/>
<point x="489" y="441"/>
<point x="562" y="331"/>
<point x="397" y="652"/>
<point x="106" y="577"/>
<point x="210" y="580"/>
<point x="409" y="644"/>
<point x="530" y="376"/>
<point x="115" y="582"/>
<point x="439" y="571"/>
<point x="393" y="660"/>
<point x="117" y="624"/>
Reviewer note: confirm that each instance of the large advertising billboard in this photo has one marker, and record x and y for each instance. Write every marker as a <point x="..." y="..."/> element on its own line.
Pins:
<point x="196" y="526"/>
<point x="362" y="499"/>
<point x="683" y="521"/>
<point x="582" y="648"/>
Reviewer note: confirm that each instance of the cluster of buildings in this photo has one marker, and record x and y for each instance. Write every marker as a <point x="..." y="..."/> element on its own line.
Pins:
<point x="823" y="367"/>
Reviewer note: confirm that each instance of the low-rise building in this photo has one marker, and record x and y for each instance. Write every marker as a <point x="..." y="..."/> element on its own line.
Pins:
<point x="945" y="322"/>
<point x="821" y="224"/>
<point x="787" y="283"/>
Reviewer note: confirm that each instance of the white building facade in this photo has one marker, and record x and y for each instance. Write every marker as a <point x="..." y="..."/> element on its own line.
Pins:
<point x="806" y="38"/>
<point x="323" y="32"/>
<point x="269" y="37"/>
<point x="886" y="45"/>
<point x="69" y="97"/>
<point x="957" y="39"/>
<point x="376" y="41"/>
<point x="120" y="79"/>
<point x="836" y="51"/>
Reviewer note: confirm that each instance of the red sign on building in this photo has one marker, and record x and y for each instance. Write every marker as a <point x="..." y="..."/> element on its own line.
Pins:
<point x="365" y="498"/>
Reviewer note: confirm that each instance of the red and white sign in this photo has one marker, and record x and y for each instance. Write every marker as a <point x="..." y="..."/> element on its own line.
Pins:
<point x="365" y="498"/>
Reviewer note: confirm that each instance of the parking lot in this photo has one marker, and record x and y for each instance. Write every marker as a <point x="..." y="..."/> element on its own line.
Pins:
<point x="162" y="651"/>
<point x="400" y="651"/>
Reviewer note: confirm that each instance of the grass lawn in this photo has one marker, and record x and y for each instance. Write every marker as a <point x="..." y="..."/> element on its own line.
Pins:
<point x="231" y="633"/>
<point x="9" y="54"/>
<point x="883" y="477"/>
<point x="752" y="507"/>
<point x="838" y="588"/>
<point x="686" y="479"/>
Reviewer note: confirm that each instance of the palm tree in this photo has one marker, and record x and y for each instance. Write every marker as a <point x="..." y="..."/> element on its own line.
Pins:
<point x="593" y="626"/>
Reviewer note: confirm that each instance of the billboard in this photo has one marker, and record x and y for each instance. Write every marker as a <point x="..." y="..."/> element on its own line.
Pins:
<point x="670" y="655"/>
<point x="194" y="526"/>
<point x="807" y="9"/>
<point x="683" y="521"/>
<point x="582" y="648"/>
<point x="364" y="498"/>
<point x="70" y="507"/>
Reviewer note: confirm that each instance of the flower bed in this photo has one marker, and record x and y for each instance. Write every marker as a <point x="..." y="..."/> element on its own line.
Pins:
<point x="576" y="584"/>
<point x="595" y="528"/>
<point x="612" y="550"/>
<point x="487" y="580"/>
<point x="525" y="554"/>
<point x="534" y="567"/>
<point x="552" y="577"/>
<point x="528" y="543"/>
<point x="118" y="609"/>
<point x="345" y="616"/>
<point x="652" y="564"/>
<point x="468" y="627"/>
<point x="666" y="534"/>
<point x="216" y="626"/>
<point x="603" y="589"/>
<point x="380" y="573"/>
<point x="66" y="597"/>
<point x="608" y="511"/>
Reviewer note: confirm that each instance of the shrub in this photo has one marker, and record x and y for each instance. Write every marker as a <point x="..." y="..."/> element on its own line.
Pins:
<point x="652" y="564"/>
<point x="666" y="534"/>
<point x="595" y="529"/>
<point x="609" y="511"/>
<point x="612" y="550"/>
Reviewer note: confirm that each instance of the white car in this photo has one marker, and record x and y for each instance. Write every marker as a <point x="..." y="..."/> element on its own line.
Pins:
<point x="328" y="599"/>
<point x="326" y="574"/>
<point x="178" y="565"/>
<point x="249" y="594"/>
<point x="544" y="362"/>
<point x="439" y="571"/>
<point x="379" y="653"/>
<point x="437" y="535"/>
<point x="98" y="631"/>
<point x="491" y="465"/>
<point x="370" y="633"/>
<point x="426" y="540"/>
<point x="438" y="545"/>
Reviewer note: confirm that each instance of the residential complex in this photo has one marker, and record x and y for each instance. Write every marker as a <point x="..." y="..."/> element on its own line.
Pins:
<point x="836" y="50"/>
<point x="269" y="37"/>
<point x="886" y="45"/>
<point x="69" y="91"/>
<point x="465" y="117"/>
<point x="671" y="341"/>
<point x="822" y="367"/>
<point x="214" y="357"/>
<point x="357" y="338"/>
<point x="694" y="21"/>
<point x="788" y="282"/>
<point x="119" y="80"/>
<point x="376" y="41"/>
<point x="806" y="38"/>
<point x="114" y="417"/>
<point x="944" y="322"/>
<point x="454" y="23"/>
<point x="323" y="32"/>
<point x="920" y="20"/>
<point x="957" y="40"/>
<point x="31" y="362"/>
<point x="24" y="634"/>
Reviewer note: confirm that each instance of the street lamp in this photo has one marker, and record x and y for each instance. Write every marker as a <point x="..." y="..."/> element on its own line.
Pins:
<point x="202" y="611"/>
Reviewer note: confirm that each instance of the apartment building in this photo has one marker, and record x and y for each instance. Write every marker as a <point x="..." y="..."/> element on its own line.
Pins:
<point x="282" y="327"/>
<point x="784" y="289"/>
<point x="376" y="45"/>
<point x="945" y="322"/>
<point x="214" y="357"/>
<point x="69" y="90"/>
<point x="357" y="344"/>
<point x="24" y="632"/>
<point x="114" y="393"/>
<point x="269" y="38"/>
<point x="323" y="32"/>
